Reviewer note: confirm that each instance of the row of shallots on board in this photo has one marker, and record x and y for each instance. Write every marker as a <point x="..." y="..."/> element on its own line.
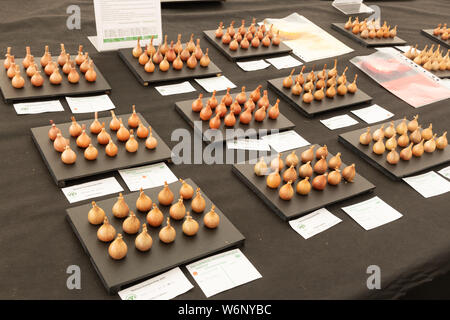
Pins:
<point x="50" y="68"/>
<point x="314" y="163"/>
<point x="154" y="217"/>
<point x="84" y="141"/>
<point x="255" y="101"/>
<point x="412" y="140"/>
<point x="370" y="29"/>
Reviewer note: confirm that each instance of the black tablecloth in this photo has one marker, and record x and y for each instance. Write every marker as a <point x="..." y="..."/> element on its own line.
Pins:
<point x="37" y="244"/>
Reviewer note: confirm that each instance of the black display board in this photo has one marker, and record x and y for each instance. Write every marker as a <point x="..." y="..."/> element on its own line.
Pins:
<point x="402" y="168"/>
<point x="136" y="266"/>
<point x="146" y="78"/>
<point x="429" y="34"/>
<point x="48" y="90"/>
<point x="317" y="107"/>
<point x="185" y="109"/>
<point x="377" y="42"/>
<point x="300" y="205"/>
<point x="82" y="168"/>
<point x="240" y="53"/>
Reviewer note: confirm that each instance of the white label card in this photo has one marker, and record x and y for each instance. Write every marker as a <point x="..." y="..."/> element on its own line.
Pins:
<point x="93" y="189"/>
<point x="249" y="144"/>
<point x="339" y="122"/>
<point x="38" y="107"/>
<point x="90" y="104"/>
<point x="222" y="272"/>
<point x="253" y="65"/>
<point x="429" y="184"/>
<point x="314" y="223"/>
<point x="284" y="62"/>
<point x="284" y="141"/>
<point x="215" y="83"/>
<point x="372" y="213"/>
<point x="445" y="172"/>
<point x="176" y="88"/>
<point x="146" y="177"/>
<point x="373" y="114"/>
<point x="166" y="286"/>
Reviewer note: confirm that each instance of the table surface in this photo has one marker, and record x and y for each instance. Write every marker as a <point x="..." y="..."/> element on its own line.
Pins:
<point x="37" y="244"/>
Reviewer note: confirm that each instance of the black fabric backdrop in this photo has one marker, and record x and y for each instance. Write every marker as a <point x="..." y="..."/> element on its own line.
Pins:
<point x="37" y="243"/>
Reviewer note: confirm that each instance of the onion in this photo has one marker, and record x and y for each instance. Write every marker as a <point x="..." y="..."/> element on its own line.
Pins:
<point x="211" y="219"/>
<point x="143" y="202"/>
<point x="286" y="191"/>
<point x="120" y="208"/>
<point x="378" y="134"/>
<point x="131" y="224"/>
<point x="68" y="156"/>
<point x="96" y="215"/>
<point x="277" y="163"/>
<point x="75" y="129"/>
<point x="416" y="136"/>
<point x="305" y="170"/>
<point x="290" y="174"/>
<point x="391" y="143"/>
<point x="406" y="153"/>
<point x="427" y="133"/>
<point x="95" y="126"/>
<point x="151" y="142"/>
<point x="303" y="186"/>
<point x="106" y="232"/>
<point x="165" y="196"/>
<point x="133" y="120"/>
<point x="103" y="137"/>
<point x="378" y="147"/>
<point x="335" y="162"/>
<point x="122" y="134"/>
<point x="118" y="248"/>
<point x="292" y="159"/>
<point x="90" y="153"/>
<point x="273" y="180"/>
<point x="308" y="155"/>
<point x="349" y="173"/>
<point x="321" y="166"/>
<point x="178" y="210"/>
<point x="402" y="128"/>
<point x="190" y="226"/>
<point x="168" y="233"/>
<point x="322" y="152"/>
<point x="334" y="177"/>
<point x="365" y="138"/>
<point x="403" y="140"/>
<point x="155" y="216"/>
<point x="393" y="157"/>
<point x="143" y="241"/>
<point x="320" y="182"/>
<point x="390" y="131"/>
<point x="131" y="145"/>
<point x="413" y="124"/>
<point x="418" y="149"/>
<point x="111" y="149"/>
<point x="442" y="142"/>
<point x="83" y="140"/>
<point x="198" y="204"/>
<point x="60" y="143"/>
<point x="430" y="145"/>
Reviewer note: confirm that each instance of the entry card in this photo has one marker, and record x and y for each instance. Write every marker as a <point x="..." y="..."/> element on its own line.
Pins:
<point x="38" y="107"/>
<point x="284" y="141"/>
<point x="373" y="114"/>
<point x="215" y="83"/>
<point x="429" y="184"/>
<point x="314" y="223"/>
<point x="146" y="177"/>
<point x="176" y="88"/>
<point x="90" y="104"/>
<point x="93" y="189"/>
<point x="253" y="65"/>
<point x="339" y="122"/>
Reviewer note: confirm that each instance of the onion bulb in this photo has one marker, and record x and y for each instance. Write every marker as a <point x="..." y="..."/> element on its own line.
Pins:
<point x="165" y="196"/>
<point x="322" y="152"/>
<point x="75" y="128"/>
<point x="334" y="177"/>
<point x="155" y="217"/>
<point x="111" y="149"/>
<point x="133" y="120"/>
<point x="391" y="143"/>
<point x="18" y="81"/>
<point x="96" y="215"/>
<point x="168" y="233"/>
<point x="378" y="147"/>
<point x="320" y="182"/>
<point x="366" y="137"/>
<point x="402" y="128"/>
<point x="103" y="137"/>
<point x="186" y="190"/>
<point x="277" y="163"/>
<point x="241" y="97"/>
<point x="95" y="126"/>
<point x="290" y="174"/>
<point x="190" y="226"/>
<point x="198" y="204"/>
<point x="131" y="224"/>
<point x="120" y="208"/>
<point x="274" y="111"/>
<point x="292" y="159"/>
<point x="273" y="180"/>
<point x="256" y="94"/>
<point x="204" y="61"/>
<point x="90" y="153"/>
<point x="260" y="167"/>
<point x="390" y="131"/>
<point x="430" y="145"/>
<point x="143" y="241"/>
<point x="131" y="145"/>
<point x="335" y="162"/>
<point x="37" y="80"/>
<point x="378" y="134"/>
<point x="83" y="140"/>
<point x="321" y="166"/>
<point x="305" y="170"/>
<point x="307" y="155"/>
<point x="349" y="173"/>
<point x="393" y="157"/>
<point x="137" y="50"/>
<point x="303" y="186"/>
<point x="403" y="140"/>
<point x="211" y="219"/>
<point x="142" y="131"/>
<point x="197" y="104"/>
<point x="413" y="124"/>
<point x="406" y="153"/>
<point x="68" y="156"/>
<point x="416" y="136"/>
<point x="442" y="142"/>
<point x="151" y="142"/>
<point x="427" y="133"/>
<point x="106" y="232"/>
<point x="143" y="202"/>
<point x="60" y="143"/>
<point x="286" y="191"/>
<point x="418" y="149"/>
<point x="178" y="210"/>
<point x="118" y="248"/>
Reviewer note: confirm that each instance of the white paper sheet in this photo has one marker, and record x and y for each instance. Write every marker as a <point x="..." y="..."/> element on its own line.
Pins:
<point x="372" y="213"/>
<point x="93" y="189"/>
<point x="284" y="141"/>
<point x="429" y="184"/>
<point x="90" y="104"/>
<point x="351" y="7"/>
<point x="120" y="22"/>
<point x="373" y="114"/>
<point x="253" y="65"/>
<point x="147" y="177"/>
<point x="166" y="286"/>
<point x="176" y="88"/>
<point x="249" y="144"/>
<point x="216" y="83"/>
<point x="339" y="122"/>
<point x="314" y="223"/>
<point x="284" y="62"/>
<point x="38" y="107"/>
<point x="445" y="172"/>
<point x="222" y="272"/>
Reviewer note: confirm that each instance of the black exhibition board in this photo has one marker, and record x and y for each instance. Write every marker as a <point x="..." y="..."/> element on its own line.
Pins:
<point x="317" y="107"/>
<point x="251" y="52"/>
<point x="376" y="42"/>
<point x="300" y="205"/>
<point x="157" y="76"/>
<point x="137" y="265"/>
<point x="255" y="127"/>
<point x="429" y="34"/>
<point x="62" y="173"/>
<point x="402" y="168"/>
<point x="48" y="90"/>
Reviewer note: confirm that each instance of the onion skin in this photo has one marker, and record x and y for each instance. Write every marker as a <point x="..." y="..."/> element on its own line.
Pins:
<point x="277" y="163"/>
<point x="334" y="177"/>
<point x="273" y="180"/>
<point x="178" y="210"/>
<point x="305" y="170"/>
<point x="365" y="138"/>
<point x="442" y="142"/>
<point x="260" y="167"/>
<point x="111" y="149"/>
<point x="322" y="152"/>
<point x="131" y="224"/>
<point x="393" y="157"/>
<point x="307" y="155"/>
<point x="68" y="156"/>
<point x="211" y="219"/>
<point x="186" y="190"/>
<point x="290" y="174"/>
<point x="292" y="159"/>
<point x="321" y="166"/>
<point x="320" y="182"/>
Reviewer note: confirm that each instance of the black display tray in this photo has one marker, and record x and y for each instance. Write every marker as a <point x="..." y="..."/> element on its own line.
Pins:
<point x="429" y="34"/>
<point x="185" y="109"/>
<point x="137" y="265"/>
<point x="146" y="78"/>
<point x="317" y="107"/>
<point x="300" y="205"/>
<point x="402" y="168"/>
<point x="251" y="52"/>
<point x="368" y="42"/>
<point x="48" y="90"/>
<point x="62" y="173"/>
